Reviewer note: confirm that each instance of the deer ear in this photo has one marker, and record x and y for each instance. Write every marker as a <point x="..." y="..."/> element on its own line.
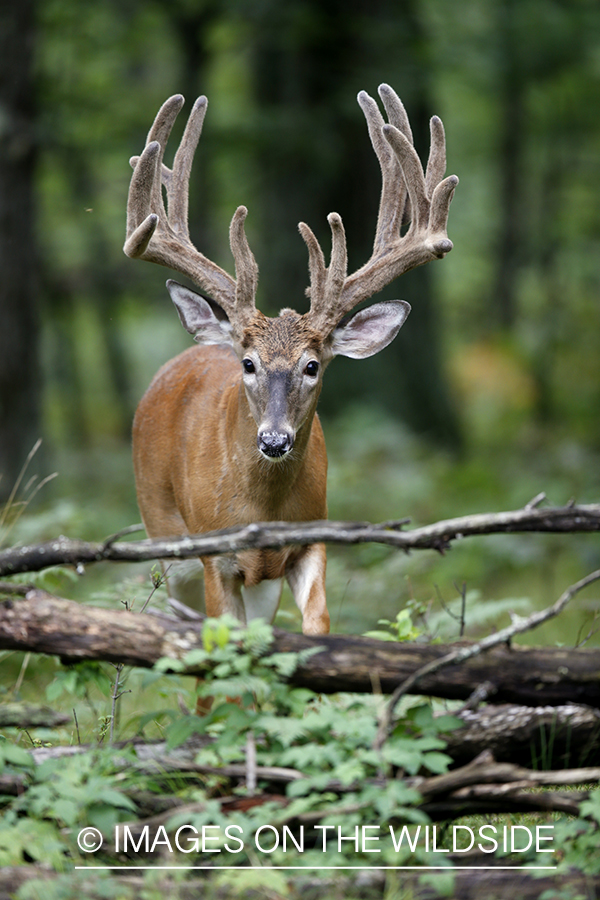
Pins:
<point x="202" y="318"/>
<point x="369" y="330"/>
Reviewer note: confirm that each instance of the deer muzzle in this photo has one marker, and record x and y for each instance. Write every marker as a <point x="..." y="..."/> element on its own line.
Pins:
<point x="274" y="444"/>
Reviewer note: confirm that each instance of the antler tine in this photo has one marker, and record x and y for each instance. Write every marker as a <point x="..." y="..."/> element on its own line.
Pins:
<point x="316" y="263"/>
<point x="246" y="269"/>
<point x="393" y="190"/>
<point x="338" y="266"/>
<point x="436" y="164"/>
<point x="145" y="204"/>
<point x="413" y="175"/>
<point x="159" y="134"/>
<point x="156" y="237"/>
<point x="422" y="202"/>
<point x="179" y="182"/>
<point x="395" y="110"/>
<point x="326" y="283"/>
<point x="141" y="223"/>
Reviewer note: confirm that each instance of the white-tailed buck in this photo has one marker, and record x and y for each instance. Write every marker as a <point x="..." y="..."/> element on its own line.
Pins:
<point x="227" y="433"/>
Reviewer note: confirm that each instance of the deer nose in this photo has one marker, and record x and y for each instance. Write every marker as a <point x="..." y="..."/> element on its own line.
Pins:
<point x="274" y="444"/>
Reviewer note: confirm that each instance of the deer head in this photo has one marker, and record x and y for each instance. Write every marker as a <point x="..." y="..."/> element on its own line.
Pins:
<point x="283" y="359"/>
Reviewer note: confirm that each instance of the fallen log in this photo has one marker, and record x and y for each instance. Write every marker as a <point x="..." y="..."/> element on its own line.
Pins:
<point x="25" y="715"/>
<point x="530" y="676"/>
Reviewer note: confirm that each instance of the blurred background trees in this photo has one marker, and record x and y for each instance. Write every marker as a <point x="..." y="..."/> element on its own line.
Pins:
<point x="501" y="349"/>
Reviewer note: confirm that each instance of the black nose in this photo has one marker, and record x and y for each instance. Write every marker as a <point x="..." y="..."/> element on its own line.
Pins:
<point x="274" y="443"/>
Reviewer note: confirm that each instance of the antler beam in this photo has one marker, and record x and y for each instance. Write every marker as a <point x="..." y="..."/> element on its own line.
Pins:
<point x="163" y="238"/>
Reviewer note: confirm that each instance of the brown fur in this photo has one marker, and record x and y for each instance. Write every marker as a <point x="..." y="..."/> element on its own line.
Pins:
<point x="198" y="469"/>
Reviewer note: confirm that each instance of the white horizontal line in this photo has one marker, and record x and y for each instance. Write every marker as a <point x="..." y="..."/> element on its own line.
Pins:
<point x="324" y="868"/>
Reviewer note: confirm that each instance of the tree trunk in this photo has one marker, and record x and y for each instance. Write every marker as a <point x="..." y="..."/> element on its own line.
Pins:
<point x="19" y="369"/>
<point x="509" y="250"/>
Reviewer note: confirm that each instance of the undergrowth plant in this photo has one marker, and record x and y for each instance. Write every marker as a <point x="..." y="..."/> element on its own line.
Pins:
<point x="345" y="803"/>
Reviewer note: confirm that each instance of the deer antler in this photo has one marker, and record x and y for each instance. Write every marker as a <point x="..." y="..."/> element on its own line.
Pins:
<point x="157" y="237"/>
<point x="406" y="190"/>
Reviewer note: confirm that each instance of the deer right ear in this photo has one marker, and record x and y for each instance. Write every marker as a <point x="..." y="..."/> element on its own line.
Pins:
<point x="202" y="318"/>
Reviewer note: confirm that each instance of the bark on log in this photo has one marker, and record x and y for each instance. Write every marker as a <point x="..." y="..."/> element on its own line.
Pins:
<point x="274" y="535"/>
<point x="524" y="675"/>
<point x="555" y="737"/>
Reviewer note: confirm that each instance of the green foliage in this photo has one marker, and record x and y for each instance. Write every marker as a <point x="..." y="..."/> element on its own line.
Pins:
<point x="77" y="679"/>
<point x="401" y="629"/>
<point x="578" y="838"/>
<point x="62" y="795"/>
<point x="328" y="740"/>
<point x="14" y="756"/>
<point x="343" y="784"/>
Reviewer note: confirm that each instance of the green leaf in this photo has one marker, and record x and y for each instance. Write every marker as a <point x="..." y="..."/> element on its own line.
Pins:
<point x="285" y="664"/>
<point x="286" y="728"/>
<point x="167" y="664"/>
<point x="16" y="756"/>
<point x="118" y="799"/>
<point x="65" y="811"/>
<point x="179" y="731"/>
<point x="437" y="762"/>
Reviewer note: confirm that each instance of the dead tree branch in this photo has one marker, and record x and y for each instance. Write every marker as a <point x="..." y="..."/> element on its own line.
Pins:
<point x="274" y="535"/>
<point x="25" y="715"/>
<point x="482" y="786"/>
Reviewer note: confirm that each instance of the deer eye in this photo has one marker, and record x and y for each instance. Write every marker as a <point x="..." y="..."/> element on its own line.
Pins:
<point x="248" y="366"/>
<point x="312" y="368"/>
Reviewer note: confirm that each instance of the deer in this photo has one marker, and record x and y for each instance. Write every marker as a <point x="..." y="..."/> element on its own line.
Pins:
<point x="228" y="433"/>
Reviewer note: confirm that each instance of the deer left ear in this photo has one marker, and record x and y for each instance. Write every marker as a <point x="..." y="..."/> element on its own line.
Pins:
<point x="369" y="330"/>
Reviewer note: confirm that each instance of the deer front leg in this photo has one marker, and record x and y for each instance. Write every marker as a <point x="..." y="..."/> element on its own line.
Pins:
<point x="306" y="579"/>
<point x="222" y="594"/>
<point x="222" y="591"/>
